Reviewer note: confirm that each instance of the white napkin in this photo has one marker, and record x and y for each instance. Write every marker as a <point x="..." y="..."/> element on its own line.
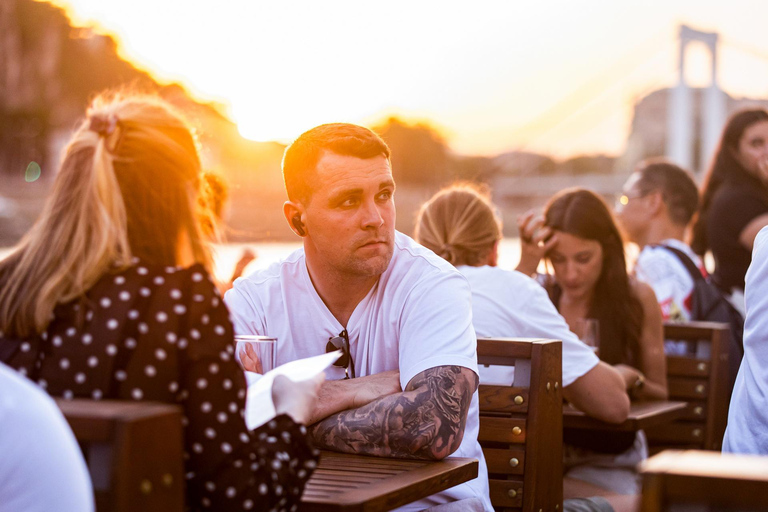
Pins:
<point x="259" y="408"/>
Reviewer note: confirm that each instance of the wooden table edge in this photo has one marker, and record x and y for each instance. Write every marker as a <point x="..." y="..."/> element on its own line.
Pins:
<point x="355" y="500"/>
<point x="575" y="419"/>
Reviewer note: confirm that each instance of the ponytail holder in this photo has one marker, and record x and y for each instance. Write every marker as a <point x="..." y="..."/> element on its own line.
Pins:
<point x="105" y="126"/>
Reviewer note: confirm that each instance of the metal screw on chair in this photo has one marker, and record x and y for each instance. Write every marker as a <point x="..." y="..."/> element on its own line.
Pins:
<point x="167" y="479"/>
<point x="698" y="410"/>
<point x="146" y="486"/>
<point x="518" y="400"/>
<point x="700" y="388"/>
<point x="514" y="462"/>
<point x="697" y="432"/>
<point x="512" y="493"/>
<point x="517" y="431"/>
<point x="702" y="367"/>
<point x="556" y="384"/>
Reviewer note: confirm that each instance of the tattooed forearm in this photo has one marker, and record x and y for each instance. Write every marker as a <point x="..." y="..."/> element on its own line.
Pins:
<point x="425" y="421"/>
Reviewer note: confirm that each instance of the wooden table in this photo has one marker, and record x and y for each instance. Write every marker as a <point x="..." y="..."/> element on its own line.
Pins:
<point x="344" y="482"/>
<point x="642" y="415"/>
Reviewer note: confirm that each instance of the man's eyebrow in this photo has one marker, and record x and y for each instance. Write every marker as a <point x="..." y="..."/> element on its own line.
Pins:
<point x="387" y="184"/>
<point x="346" y="192"/>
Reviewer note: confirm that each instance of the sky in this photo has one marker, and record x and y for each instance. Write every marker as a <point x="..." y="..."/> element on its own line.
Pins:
<point x="553" y="76"/>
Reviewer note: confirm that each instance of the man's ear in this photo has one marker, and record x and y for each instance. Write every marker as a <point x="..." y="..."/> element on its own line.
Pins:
<point x="655" y="201"/>
<point x="294" y="214"/>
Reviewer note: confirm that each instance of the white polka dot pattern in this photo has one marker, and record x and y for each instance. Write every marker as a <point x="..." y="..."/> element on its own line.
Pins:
<point x="169" y="338"/>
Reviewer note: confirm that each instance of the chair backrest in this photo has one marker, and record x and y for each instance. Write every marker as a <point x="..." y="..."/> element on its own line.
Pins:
<point x="521" y="425"/>
<point x="134" y="452"/>
<point x="701" y="379"/>
<point x="692" y="481"/>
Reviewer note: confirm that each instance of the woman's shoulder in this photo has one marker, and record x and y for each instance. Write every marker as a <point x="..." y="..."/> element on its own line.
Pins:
<point x="643" y="292"/>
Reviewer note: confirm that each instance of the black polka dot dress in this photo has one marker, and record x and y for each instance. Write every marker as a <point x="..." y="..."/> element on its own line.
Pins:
<point x="164" y="334"/>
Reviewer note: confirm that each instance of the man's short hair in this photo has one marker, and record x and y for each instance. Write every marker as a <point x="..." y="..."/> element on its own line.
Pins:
<point x="301" y="157"/>
<point x="676" y="185"/>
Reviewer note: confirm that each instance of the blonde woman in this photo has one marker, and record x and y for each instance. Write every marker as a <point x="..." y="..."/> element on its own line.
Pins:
<point x="109" y="296"/>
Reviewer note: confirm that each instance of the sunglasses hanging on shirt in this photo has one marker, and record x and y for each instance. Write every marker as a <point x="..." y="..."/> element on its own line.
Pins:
<point x="341" y="342"/>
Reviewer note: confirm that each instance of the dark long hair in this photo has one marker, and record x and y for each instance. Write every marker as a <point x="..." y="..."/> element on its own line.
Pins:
<point x="725" y="167"/>
<point x="582" y="213"/>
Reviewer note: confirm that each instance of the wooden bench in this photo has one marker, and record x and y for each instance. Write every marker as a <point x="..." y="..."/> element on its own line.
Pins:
<point x="704" y="481"/>
<point x="134" y="452"/>
<point x="702" y="382"/>
<point x="521" y="425"/>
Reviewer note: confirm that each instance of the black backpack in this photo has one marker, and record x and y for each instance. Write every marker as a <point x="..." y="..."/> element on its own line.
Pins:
<point x="709" y="305"/>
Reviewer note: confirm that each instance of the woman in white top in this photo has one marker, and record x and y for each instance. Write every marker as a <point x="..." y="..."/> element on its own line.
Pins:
<point x="459" y="224"/>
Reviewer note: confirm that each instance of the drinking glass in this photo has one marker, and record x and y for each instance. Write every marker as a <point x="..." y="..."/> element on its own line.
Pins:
<point x="590" y="333"/>
<point x="259" y="348"/>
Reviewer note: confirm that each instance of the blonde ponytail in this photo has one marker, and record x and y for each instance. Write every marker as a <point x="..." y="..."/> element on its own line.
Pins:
<point x="83" y="231"/>
<point x="459" y="224"/>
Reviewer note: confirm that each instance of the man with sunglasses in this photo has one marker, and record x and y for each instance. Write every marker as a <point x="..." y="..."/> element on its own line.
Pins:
<point x="657" y="204"/>
<point x="406" y="384"/>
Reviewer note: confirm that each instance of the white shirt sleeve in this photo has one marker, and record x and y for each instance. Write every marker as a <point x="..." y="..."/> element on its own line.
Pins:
<point x="436" y="327"/>
<point x="747" y="430"/>
<point x="41" y="465"/>
<point x="544" y="321"/>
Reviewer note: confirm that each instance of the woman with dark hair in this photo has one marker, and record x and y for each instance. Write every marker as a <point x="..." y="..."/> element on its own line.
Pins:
<point x="735" y="201"/>
<point x="590" y="281"/>
<point x="109" y="296"/>
<point x="579" y="237"/>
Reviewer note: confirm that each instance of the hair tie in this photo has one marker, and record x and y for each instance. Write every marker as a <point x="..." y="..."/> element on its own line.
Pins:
<point x="103" y="125"/>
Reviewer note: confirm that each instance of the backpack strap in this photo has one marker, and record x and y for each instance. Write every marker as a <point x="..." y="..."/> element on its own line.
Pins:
<point x="687" y="262"/>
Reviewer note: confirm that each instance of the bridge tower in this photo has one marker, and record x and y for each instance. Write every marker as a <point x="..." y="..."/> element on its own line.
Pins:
<point x="680" y="112"/>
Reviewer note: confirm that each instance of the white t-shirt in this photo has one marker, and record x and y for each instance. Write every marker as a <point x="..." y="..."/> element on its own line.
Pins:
<point x="510" y="304"/>
<point x="418" y="316"/>
<point x="747" y="430"/>
<point x="41" y="466"/>
<point x="670" y="280"/>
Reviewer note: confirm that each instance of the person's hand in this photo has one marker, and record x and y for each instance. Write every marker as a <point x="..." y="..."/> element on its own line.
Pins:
<point x="629" y="374"/>
<point x="249" y="359"/>
<point x="373" y="387"/>
<point x="536" y="240"/>
<point x="296" y="399"/>
<point x="245" y="258"/>
<point x="762" y="169"/>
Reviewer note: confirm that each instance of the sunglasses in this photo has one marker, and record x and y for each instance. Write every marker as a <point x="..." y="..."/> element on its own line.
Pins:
<point x="341" y="342"/>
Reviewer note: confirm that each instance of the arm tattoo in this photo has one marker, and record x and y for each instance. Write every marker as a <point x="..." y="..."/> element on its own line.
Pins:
<point x="426" y="421"/>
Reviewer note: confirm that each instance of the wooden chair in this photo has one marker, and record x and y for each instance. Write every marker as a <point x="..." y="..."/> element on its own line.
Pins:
<point x="704" y="481"/>
<point x="700" y="380"/>
<point x="134" y="452"/>
<point x="521" y="425"/>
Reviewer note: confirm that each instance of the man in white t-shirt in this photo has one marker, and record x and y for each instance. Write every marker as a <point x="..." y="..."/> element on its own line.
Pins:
<point x="41" y="465"/>
<point x="655" y="209"/>
<point x="747" y="430"/>
<point x="401" y="314"/>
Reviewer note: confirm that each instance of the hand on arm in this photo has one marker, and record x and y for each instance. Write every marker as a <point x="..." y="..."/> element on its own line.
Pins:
<point x="750" y="231"/>
<point x="600" y="393"/>
<point x="340" y="395"/>
<point x="426" y="421"/>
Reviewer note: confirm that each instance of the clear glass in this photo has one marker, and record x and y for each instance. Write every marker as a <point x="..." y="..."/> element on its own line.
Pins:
<point x="590" y="333"/>
<point x="259" y="349"/>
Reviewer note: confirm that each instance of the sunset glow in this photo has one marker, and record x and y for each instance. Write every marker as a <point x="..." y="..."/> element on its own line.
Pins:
<point x="558" y="76"/>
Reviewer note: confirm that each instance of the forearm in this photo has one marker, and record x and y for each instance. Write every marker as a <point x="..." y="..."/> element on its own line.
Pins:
<point x="334" y="396"/>
<point x="600" y="393"/>
<point x="426" y="421"/>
